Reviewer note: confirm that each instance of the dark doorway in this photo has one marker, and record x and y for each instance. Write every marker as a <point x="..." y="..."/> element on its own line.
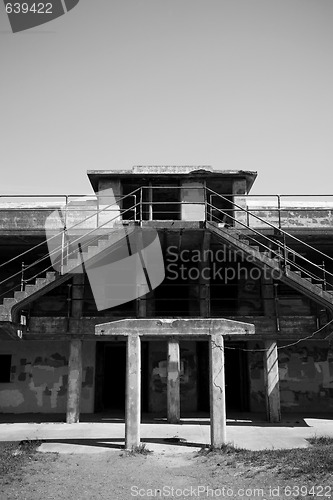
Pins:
<point x="111" y="376"/>
<point x="236" y="377"/>
<point x="114" y="380"/>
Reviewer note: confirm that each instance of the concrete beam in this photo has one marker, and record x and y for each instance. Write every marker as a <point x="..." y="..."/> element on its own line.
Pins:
<point x="133" y="392"/>
<point x="173" y="381"/>
<point x="174" y="327"/>
<point x="74" y="381"/>
<point x="218" y="422"/>
<point x="271" y="371"/>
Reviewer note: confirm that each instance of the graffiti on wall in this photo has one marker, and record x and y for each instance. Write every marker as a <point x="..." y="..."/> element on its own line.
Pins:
<point x="40" y="382"/>
<point x="306" y="377"/>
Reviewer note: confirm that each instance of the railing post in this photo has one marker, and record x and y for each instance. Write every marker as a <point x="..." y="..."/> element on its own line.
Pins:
<point x="324" y="276"/>
<point x="276" y="305"/>
<point x="141" y="206"/>
<point x="150" y="199"/>
<point x="22" y="277"/>
<point x="284" y="251"/>
<point x="279" y="210"/>
<point x="205" y="201"/>
<point x="134" y="195"/>
<point x="62" y="251"/>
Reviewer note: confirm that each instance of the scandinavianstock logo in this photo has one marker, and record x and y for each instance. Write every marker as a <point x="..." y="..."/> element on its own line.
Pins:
<point x="27" y="14"/>
<point x="122" y="261"/>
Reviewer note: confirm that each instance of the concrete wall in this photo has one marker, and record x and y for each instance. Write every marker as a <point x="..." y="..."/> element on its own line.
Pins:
<point x="39" y="374"/>
<point x="158" y="377"/>
<point x="193" y="200"/>
<point x="290" y="216"/>
<point x="306" y="378"/>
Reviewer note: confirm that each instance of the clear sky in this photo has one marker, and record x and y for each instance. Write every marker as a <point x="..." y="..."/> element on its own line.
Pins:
<point x="235" y="84"/>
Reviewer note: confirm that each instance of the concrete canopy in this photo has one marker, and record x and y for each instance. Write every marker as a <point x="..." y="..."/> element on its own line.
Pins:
<point x="170" y="327"/>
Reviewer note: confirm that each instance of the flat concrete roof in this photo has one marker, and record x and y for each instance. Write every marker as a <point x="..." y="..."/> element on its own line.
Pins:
<point x="202" y="171"/>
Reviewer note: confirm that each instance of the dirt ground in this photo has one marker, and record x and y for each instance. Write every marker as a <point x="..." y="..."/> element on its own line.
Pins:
<point x="117" y="475"/>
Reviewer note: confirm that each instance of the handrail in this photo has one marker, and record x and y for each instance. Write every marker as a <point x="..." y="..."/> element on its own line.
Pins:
<point x="271" y="225"/>
<point x="97" y="212"/>
<point x="137" y="208"/>
<point x="56" y="250"/>
<point x="285" y="249"/>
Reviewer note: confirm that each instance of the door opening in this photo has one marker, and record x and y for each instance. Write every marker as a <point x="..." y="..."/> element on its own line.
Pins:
<point x="236" y="377"/>
<point x="110" y="383"/>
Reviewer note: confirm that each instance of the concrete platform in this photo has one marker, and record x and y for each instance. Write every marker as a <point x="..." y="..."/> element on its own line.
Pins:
<point x="107" y="433"/>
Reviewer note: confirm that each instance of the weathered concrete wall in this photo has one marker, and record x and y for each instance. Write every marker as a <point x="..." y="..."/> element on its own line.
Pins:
<point x="296" y="216"/>
<point x="306" y="378"/>
<point x="290" y="326"/>
<point x="193" y="200"/>
<point x="158" y="377"/>
<point x="39" y="375"/>
<point x="14" y="217"/>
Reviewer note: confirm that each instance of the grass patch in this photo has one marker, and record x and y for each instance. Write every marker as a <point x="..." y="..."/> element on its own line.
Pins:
<point x="313" y="462"/>
<point x="138" y="450"/>
<point x="13" y="456"/>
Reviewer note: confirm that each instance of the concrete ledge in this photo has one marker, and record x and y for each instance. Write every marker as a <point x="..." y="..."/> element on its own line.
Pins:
<point x="174" y="327"/>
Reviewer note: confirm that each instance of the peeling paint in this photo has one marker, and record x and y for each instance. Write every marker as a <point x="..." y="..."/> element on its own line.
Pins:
<point x="39" y="377"/>
<point x="306" y="379"/>
<point x="10" y="398"/>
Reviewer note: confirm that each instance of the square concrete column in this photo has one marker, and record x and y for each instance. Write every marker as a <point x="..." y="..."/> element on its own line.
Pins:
<point x="74" y="381"/>
<point x="173" y="381"/>
<point x="133" y="392"/>
<point x="271" y="371"/>
<point x="218" y="421"/>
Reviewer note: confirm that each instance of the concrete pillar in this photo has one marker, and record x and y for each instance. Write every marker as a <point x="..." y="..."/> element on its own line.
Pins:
<point x="239" y="188"/>
<point x="218" y="421"/>
<point x="109" y="202"/>
<point x="74" y="381"/>
<point x="193" y="200"/>
<point x="204" y="277"/>
<point x="141" y="282"/>
<point x="77" y="302"/>
<point x="173" y="381"/>
<point x="133" y="392"/>
<point x="271" y="371"/>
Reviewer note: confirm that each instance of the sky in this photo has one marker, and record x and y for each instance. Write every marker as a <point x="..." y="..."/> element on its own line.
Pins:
<point x="234" y="84"/>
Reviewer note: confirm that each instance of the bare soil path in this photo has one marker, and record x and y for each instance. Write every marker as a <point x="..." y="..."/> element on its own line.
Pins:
<point x="117" y="475"/>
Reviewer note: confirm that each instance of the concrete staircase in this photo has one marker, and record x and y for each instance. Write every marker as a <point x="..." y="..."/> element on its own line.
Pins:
<point x="312" y="287"/>
<point x="21" y="296"/>
<point x="88" y="253"/>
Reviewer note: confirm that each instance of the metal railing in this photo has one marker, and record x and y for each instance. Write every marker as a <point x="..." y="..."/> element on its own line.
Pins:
<point x="284" y="254"/>
<point x="145" y="203"/>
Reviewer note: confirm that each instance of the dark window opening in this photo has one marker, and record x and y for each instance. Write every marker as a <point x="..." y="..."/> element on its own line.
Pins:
<point x="5" y="367"/>
<point x="172" y="299"/>
<point x="166" y="201"/>
<point x="110" y="382"/>
<point x="236" y="377"/>
<point x="151" y="200"/>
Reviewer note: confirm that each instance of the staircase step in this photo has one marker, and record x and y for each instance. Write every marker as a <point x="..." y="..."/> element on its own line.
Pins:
<point x="20" y="296"/>
<point x="40" y="282"/>
<point x="102" y="244"/>
<point x="72" y="264"/>
<point x="3" y="311"/>
<point x="246" y="242"/>
<point x="51" y="276"/>
<point x="30" y="289"/>
<point x="266" y="253"/>
<point x="8" y="303"/>
<point x="92" y="251"/>
<point x="255" y="247"/>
